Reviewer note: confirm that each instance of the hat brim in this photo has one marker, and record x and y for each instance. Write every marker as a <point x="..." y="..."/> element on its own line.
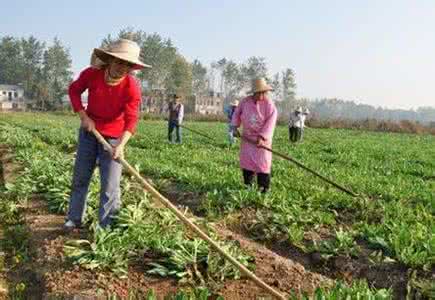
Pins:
<point x="265" y="89"/>
<point x="105" y="56"/>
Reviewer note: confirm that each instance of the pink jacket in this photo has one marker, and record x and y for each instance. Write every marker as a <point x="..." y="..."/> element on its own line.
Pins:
<point x="258" y="118"/>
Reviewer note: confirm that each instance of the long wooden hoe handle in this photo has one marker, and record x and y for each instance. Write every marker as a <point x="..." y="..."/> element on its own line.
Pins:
<point x="186" y="221"/>
<point x="286" y="157"/>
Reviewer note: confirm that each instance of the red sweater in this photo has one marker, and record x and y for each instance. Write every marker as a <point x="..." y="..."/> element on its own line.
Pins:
<point x="114" y="109"/>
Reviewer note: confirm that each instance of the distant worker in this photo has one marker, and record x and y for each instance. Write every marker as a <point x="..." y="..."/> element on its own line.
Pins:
<point x="176" y="115"/>
<point x="296" y="125"/>
<point x="304" y="118"/>
<point x="257" y="115"/>
<point x="230" y="112"/>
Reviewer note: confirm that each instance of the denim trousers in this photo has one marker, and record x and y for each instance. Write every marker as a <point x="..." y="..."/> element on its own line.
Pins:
<point x="231" y="138"/>
<point x="89" y="150"/>
<point x="173" y="124"/>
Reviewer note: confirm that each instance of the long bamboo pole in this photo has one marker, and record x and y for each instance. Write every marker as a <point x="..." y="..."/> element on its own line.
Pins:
<point x="288" y="158"/>
<point x="187" y="222"/>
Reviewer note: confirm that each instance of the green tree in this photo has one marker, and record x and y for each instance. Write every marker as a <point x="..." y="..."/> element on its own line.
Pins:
<point x="56" y="74"/>
<point x="220" y="66"/>
<point x="11" y="61"/>
<point x="32" y="51"/>
<point x="161" y="54"/>
<point x="254" y="68"/>
<point x="127" y="33"/>
<point x="288" y="89"/>
<point x="180" y="79"/>
<point x="199" y="78"/>
<point x="277" y="91"/>
<point x="234" y="80"/>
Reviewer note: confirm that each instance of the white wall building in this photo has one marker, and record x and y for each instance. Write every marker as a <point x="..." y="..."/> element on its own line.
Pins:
<point x="210" y="104"/>
<point x="11" y="97"/>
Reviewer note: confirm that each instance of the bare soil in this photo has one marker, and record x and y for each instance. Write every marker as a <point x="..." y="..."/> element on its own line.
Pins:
<point x="386" y="275"/>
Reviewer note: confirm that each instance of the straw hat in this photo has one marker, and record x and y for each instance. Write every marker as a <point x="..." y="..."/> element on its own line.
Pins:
<point x="299" y="109"/>
<point x="235" y="103"/>
<point x="260" y="85"/>
<point x="306" y="111"/>
<point x="123" y="49"/>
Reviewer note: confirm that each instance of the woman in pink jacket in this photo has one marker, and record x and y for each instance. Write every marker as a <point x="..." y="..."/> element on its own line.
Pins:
<point x="257" y="115"/>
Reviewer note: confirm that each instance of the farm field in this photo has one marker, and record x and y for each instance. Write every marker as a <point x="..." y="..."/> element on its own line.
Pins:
<point x="304" y="237"/>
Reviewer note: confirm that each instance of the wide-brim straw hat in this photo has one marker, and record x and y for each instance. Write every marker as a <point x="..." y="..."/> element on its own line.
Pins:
<point x="123" y="49"/>
<point x="299" y="109"/>
<point x="260" y="85"/>
<point x="306" y="111"/>
<point x="235" y="103"/>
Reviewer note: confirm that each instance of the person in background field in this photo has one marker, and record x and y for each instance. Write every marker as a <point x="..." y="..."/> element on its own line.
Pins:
<point x="230" y="111"/>
<point x="303" y="119"/>
<point x="113" y="101"/>
<point x="257" y="115"/>
<point x="176" y="114"/>
<point x="296" y="120"/>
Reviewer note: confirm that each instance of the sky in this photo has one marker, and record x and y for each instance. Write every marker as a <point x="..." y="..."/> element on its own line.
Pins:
<point x="379" y="52"/>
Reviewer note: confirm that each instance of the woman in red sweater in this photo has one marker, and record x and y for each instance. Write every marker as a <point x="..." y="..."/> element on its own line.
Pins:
<point x="112" y="109"/>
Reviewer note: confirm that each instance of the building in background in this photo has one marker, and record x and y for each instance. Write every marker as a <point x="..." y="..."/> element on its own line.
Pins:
<point x="11" y="97"/>
<point x="209" y="104"/>
<point x="154" y="101"/>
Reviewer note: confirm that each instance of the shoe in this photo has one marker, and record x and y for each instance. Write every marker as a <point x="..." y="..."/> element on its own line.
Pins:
<point x="70" y="226"/>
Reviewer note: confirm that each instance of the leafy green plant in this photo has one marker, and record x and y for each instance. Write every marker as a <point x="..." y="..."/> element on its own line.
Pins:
<point x="358" y="290"/>
<point x="342" y="243"/>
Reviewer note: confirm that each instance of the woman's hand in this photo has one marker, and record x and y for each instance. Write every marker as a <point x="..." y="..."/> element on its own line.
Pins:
<point x="118" y="151"/>
<point x="261" y="141"/>
<point x="85" y="122"/>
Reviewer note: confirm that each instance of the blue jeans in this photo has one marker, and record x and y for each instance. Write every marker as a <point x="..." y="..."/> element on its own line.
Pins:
<point x="231" y="134"/>
<point x="171" y="126"/>
<point x="89" y="149"/>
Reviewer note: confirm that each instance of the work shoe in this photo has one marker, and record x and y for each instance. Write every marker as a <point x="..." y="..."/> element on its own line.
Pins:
<point x="70" y="226"/>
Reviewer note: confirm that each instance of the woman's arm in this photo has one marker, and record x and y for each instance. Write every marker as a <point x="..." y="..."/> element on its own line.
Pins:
<point x="131" y="113"/>
<point x="236" y="119"/>
<point x="75" y="92"/>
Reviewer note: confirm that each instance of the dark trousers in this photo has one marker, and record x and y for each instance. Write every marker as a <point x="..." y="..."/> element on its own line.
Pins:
<point x="263" y="179"/>
<point x="171" y="126"/>
<point x="295" y="134"/>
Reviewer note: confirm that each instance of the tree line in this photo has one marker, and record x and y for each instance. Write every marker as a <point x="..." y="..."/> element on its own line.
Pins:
<point x="44" y="71"/>
<point x="333" y="109"/>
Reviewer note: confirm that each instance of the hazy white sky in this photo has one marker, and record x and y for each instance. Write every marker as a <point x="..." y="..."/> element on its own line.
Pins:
<point x="375" y="52"/>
